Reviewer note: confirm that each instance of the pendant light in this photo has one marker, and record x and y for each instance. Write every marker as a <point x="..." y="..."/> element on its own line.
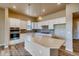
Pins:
<point x="40" y="17"/>
<point x="29" y="9"/>
<point x="29" y="23"/>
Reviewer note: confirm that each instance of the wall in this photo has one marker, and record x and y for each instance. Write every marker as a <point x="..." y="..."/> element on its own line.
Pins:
<point x="2" y="26"/>
<point x="7" y="29"/>
<point x="58" y="14"/>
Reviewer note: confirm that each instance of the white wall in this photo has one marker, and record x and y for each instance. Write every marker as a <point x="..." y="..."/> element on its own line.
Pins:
<point x="7" y="29"/>
<point x="2" y="26"/>
<point x="58" y="14"/>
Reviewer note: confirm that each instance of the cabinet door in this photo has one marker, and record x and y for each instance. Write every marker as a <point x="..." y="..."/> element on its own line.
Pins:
<point x="17" y="23"/>
<point x="34" y="25"/>
<point x="14" y="22"/>
<point x="23" y="24"/>
<point x="39" y="25"/>
<point x="60" y="30"/>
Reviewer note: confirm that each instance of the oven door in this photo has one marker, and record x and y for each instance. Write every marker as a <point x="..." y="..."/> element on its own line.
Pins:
<point x="14" y="36"/>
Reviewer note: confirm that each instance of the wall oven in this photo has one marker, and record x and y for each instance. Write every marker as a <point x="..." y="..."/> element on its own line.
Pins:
<point x="14" y="33"/>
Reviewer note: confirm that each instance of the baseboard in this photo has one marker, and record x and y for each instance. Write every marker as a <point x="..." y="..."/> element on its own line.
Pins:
<point x="5" y="46"/>
<point x="1" y="44"/>
<point x="75" y="39"/>
<point x="29" y="51"/>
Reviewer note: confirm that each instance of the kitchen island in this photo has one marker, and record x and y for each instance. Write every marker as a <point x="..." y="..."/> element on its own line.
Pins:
<point x="39" y="45"/>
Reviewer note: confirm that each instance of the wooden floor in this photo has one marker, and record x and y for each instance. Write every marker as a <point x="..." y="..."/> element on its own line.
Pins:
<point x="76" y="45"/>
<point x="63" y="52"/>
<point x="15" y="50"/>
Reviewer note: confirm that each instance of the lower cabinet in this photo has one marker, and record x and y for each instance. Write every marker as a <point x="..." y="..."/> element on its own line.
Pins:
<point x="36" y="49"/>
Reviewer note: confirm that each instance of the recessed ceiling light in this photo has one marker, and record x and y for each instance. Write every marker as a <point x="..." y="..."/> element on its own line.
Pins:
<point x="43" y="10"/>
<point x="14" y="7"/>
<point x="39" y="18"/>
<point x="28" y="21"/>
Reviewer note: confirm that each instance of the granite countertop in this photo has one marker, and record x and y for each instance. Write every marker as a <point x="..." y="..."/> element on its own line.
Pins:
<point x="44" y="41"/>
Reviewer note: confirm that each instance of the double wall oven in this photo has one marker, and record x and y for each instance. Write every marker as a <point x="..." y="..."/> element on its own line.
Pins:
<point x="14" y="33"/>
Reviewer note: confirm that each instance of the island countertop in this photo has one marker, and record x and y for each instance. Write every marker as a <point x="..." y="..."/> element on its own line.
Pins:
<point x="44" y="41"/>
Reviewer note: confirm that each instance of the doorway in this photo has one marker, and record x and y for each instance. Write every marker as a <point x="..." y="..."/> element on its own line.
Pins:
<point x="76" y="32"/>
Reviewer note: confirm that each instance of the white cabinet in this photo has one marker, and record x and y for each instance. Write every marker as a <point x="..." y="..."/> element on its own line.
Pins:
<point x="51" y="26"/>
<point x="39" y="25"/>
<point x="36" y="49"/>
<point x="14" y="22"/>
<point x="50" y="23"/>
<point x="34" y="25"/>
<point x="23" y="24"/>
<point x="20" y="40"/>
<point x="17" y="23"/>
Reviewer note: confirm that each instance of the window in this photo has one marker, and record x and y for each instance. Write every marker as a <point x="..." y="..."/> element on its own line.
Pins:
<point x="29" y="25"/>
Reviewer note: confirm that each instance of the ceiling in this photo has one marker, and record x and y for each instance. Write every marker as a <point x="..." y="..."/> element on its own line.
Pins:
<point x="36" y="9"/>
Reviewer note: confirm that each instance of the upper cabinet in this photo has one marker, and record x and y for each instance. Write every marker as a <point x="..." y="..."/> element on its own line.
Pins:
<point x="34" y="25"/>
<point x="14" y="22"/>
<point x="23" y="24"/>
<point x="50" y="23"/>
<point x="18" y="23"/>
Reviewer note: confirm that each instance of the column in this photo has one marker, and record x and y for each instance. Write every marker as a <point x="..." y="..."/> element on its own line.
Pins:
<point x="7" y="31"/>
